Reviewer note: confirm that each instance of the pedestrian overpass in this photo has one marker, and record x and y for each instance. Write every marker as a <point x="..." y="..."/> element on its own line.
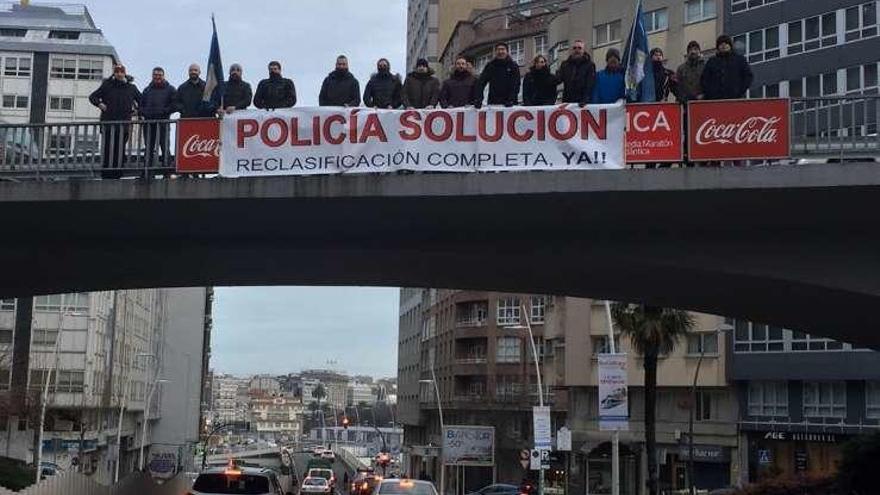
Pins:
<point x="797" y="246"/>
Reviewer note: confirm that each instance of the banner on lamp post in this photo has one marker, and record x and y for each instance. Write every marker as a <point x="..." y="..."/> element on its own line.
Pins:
<point x="613" y="396"/>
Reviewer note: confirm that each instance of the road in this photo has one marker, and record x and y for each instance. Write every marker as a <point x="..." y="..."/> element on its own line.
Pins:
<point x="339" y="469"/>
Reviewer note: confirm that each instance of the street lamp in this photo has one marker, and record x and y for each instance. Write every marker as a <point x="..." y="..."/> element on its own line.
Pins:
<point x="153" y="387"/>
<point x="433" y="381"/>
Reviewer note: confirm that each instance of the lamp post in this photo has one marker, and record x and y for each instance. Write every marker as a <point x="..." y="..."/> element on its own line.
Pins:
<point x="433" y="381"/>
<point x="615" y="437"/>
<point x="153" y="387"/>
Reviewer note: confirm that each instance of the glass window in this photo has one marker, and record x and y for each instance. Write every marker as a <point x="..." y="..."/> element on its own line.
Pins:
<point x="601" y="345"/>
<point x="829" y="84"/>
<point x="537" y="304"/>
<point x="768" y="399"/>
<point x="657" y="20"/>
<point x="743" y="5"/>
<point x="825" y="399"/>
<point x="17" y="67"/>
<point x="13" y="33"/>
<point x="872" y="399"/>
<point x="508" y="311"/>
<point x="7" y="304"/>
<point x="61" y="103"/>
<point x="90" y="69"/>
<point x="801" y="341"/>
<point x="812" y="33"/>
<point x="64" y="35"/>
<point x="703" y="343"/>
<point x="541" y="44"/>
<point x="698" y="10"/>
<point x="517" y="53"/>
<point x="62" y="68"/>
<point x="757" y="337"/>
<point x="605" y="34"/>
<point x="861" y="21"/>
<point x="704" y="410"/>
<point x="509" y="350"/>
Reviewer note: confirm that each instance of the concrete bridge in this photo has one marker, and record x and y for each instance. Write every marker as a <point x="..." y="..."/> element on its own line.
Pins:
<point x="797" y="246"/>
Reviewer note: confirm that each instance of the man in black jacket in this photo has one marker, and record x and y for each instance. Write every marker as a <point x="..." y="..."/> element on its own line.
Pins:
<point x="190" y="95"/>
<point x="276" y="91"/>
<point x="157" y="103"/>
<point x="578" y="75"/>
<point x="539" y="85"/>
<point x="117" y="98"/>
<point x="727" y="75"/>
<point x="458" y="90"/>
<point x="501" y="74"/>
<point x="384" y="88"/>
<point x="234" y="94"/>
<point x="340" y="88"/>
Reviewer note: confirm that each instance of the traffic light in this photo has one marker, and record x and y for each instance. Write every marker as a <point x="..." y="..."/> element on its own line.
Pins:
<point x="345" y="422"/>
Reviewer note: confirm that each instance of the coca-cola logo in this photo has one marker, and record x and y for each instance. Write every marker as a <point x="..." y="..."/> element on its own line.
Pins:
<point x="753" y="130"/>
<point x="196" y="146"/>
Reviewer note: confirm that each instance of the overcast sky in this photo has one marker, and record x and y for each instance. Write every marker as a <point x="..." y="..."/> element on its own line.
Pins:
<point x="276" y="330"/>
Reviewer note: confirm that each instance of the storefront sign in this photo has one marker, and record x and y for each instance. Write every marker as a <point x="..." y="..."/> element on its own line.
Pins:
<point x="653" y="133"/>
<point x="542" y="429"/>
<point x="801" y="436"/>
<point x="469" y="445"/>
<point x="198" y="145"/>
<point x="613" y="405"/>
<point x="705" y="453"/>
<point x="738" y="129"/>
<point x="322" y="140"/>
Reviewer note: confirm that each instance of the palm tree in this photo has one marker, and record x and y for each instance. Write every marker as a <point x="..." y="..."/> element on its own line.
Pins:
<point x="652" y="331"/>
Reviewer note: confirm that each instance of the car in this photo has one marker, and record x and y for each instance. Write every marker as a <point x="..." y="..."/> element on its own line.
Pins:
<point x="405" y="487"/>
<point x="497" y="489"/>
<point x="329" y="455"/>
<point x="364" y="483"/>
<point x="325" y="473"/>
<point x="231" y="480"/>
<point x="315" y="485"/>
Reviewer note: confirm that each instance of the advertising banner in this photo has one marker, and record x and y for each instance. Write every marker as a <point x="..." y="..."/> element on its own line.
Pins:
<point x="654" y="133"/>
<point x="613" y="405"/>
<point x="543" y="434"/>
<point x="333" y="140"/>
<point x="469" y="445"/>
<point x="198" y="146"/>
<point x="739" y="129"/>
<point x="163" y="462"/>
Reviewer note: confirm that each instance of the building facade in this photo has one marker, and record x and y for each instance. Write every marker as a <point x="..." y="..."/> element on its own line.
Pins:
<point x="430" y="22"/>
<point x="800" y="398"/>
<point x="276" y="417"/>
<point x="230" y="401"/>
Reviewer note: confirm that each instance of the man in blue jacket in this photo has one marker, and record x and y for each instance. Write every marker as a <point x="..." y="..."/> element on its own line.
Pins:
<point x="609" y="82"/>
<point x="157" y="103"/>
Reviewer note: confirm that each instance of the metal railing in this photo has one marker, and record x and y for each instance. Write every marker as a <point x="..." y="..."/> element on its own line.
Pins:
<point x="837" y="128"/>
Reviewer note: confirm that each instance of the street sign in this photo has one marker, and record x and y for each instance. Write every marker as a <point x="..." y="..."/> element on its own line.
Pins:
<point x="763" y="456"/>
<point x="535" y="460"/>
<point x="563" y="439"/>
<point x="545" y="459"/>
<point x="542" y="429"/>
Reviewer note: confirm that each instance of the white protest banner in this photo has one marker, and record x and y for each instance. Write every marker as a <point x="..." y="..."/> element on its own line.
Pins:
<point x="613" y="406"/>
<point x="332" y="140"/>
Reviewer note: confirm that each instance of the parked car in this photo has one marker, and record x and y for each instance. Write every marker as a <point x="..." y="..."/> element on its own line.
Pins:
<point x="315" y="485"/>
<point x="237" y="480"/>
<point x="497" y="489"/>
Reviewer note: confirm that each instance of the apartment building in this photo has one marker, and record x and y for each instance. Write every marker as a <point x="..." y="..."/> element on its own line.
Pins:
<point x="265" y="384"/>
<point x="430" y="22"/>
<point x="359" y="392"/>
<point x="230" y="401"/>
<point x="276" y="417"/>
<point x="800" y="398"/>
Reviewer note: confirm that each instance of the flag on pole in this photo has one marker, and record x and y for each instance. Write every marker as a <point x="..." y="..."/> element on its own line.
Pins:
<point x="214" y="75"/>
<point x="636" y="62"/>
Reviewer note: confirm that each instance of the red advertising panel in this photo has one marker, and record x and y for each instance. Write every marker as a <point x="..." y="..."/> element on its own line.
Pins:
<point x="198" y="146"/>
<point x="653" y="133"/>
<point x="738" y="129"/>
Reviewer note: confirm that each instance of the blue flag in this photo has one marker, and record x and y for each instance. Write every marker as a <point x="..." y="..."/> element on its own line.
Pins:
<point x="636" y="62"/>
<point x="214" y="75"/>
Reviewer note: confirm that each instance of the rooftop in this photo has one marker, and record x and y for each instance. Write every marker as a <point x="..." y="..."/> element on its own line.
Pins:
<point x="53" y="28"/>
<point x="46" y="16"/>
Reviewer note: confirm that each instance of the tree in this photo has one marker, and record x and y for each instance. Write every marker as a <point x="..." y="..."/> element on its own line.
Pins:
<point x="652" y="331"/>
<point x="319" y="393"/>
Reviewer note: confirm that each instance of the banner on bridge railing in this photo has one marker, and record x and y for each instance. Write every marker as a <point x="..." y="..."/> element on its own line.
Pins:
<point x="332" y="140"/>
<point x="739" y="129"/>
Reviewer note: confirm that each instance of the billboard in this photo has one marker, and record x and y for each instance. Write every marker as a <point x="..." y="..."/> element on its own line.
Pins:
<point x="469" y="445"/>
<point x="654" y="133"/>
<point x="739" y="129"/>
<point x="198" y="146"/>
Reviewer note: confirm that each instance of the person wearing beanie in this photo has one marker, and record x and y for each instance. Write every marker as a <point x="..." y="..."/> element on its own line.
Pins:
<point x="578" y="75"/>
<point x="340" y="87"/>
<point x="275" y="91"/>
<point x="234" y="94"/>
<point x="664" y="79"/>
<point x="539" y="85"/>
<point x="727" y="75"/>
<point x="384" y="88"/>
<point x="609" y="82"/>
<point x="458" y="90"/>
<point x="688" y="75"/>
<point x="117" y="98"/>
<point x="421" y="89"/>
<point x="501" y="74"/>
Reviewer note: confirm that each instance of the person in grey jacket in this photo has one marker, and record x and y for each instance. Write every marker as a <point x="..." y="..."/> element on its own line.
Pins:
<point x="157" y="103"/>
<point x="421" y="89"/>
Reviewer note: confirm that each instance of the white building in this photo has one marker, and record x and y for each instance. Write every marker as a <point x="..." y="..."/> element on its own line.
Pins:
<point x="360" y="392"/>
<point x="230" y="399"/>
<point x="276" y="417"/>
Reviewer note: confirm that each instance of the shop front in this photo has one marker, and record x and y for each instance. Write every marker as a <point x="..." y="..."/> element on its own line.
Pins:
<point x="599" y="470"/>
<point x="711" y="467"/>
<point x="775" y="454"/>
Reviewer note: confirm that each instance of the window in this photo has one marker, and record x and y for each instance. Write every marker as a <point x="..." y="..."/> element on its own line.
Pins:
<point x="7" y="304"/>
<point x="862" y="79"/>
<point x="813" y="33"/>
<point x="760" y="45"/>
<point x="507" y="386"/>
<point x="743" y="5"/>
<point x="801" y="341"/>
<point x="698" y="10"/>
<point x="69" y="302"/>
<point x="601" y="344"/>
<point x="825" y="399"/>
<point x="90" y="69"/>
<point x="509" y="350"/>
<point x="703" y="410"/>
<point x="756" y="337"/>
<point x="17" y="67"/>
<point x="62" y="103"/>
<point x="558" y="51"/>
<point x="657" y="20"/>
<point x="471" y="314"/>
<point x="829" y="83"/>
<point x="44" y="337"/>
<point x="538" y="305"/>
<point x="872" y="399"/>
<point x="5" y="335"/>
<point x="13" y="33"/>
<point x="768" y="399"/>
<point x="861" y="21"/>
<point x="517" y="53"/>
<point x="15" y="101"/>
<point x="64" y="35"/>
<point x="70" y="381"/>
<point x="605" y="34"/>
<point x="703" y="343"/>
<point x="4" y="379"/>
<point x="62" y="68"/>
<point x="508" y="311"/>
<point x="541" y="45"/>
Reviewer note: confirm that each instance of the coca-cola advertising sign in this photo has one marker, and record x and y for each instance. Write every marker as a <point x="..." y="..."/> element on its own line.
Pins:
<point x="198" y="146"/>
<point x="738" y="129"/>
<point x="653" y="133"/>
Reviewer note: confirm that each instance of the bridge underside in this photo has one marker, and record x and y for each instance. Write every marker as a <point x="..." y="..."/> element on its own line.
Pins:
<point x="792" y="246"/>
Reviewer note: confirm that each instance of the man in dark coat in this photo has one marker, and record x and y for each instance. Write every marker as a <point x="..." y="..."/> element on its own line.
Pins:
<point x="421" y="89"/>
<point x="727" y="75"/>
<point x="233" y="94"/>
<point x="340" y="88"/>
<point x="664" y="79"/>
<point x="117" y="98"/>
<point x="539" y="85"/>
<point x="458" y="90"/>
<point x="501" y="74"/>
<point x="275" y="91"/>
<point x="578" y="75"/>
<point x="190" y="96"/>
<point x="157" y="103"/>
<point x="384" y="88"/>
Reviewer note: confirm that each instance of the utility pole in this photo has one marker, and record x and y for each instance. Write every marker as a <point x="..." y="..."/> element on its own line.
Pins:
<point x="691" y="484"/>
<point x="615" y="438"/>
